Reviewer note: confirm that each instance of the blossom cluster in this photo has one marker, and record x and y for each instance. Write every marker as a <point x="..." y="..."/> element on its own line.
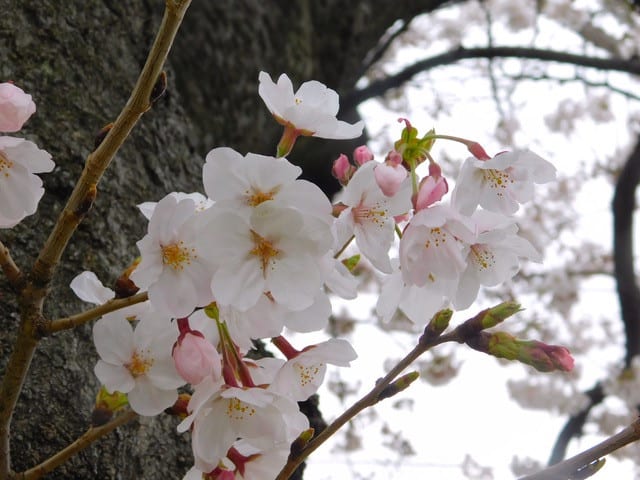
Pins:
<point x="257" y="256"/>
<point x="20" y="159"/>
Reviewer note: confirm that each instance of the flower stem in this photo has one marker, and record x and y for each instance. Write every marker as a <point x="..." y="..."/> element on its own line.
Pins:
<point x="366" y="401"/>
<point x="88" y="315"/>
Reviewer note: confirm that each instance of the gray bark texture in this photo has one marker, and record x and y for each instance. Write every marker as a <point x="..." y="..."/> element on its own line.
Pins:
<point x="79" y="59"/>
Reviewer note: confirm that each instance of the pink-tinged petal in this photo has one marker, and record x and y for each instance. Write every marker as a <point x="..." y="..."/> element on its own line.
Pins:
<point x="16" y="107"/>
<point x="113" y="338"/>
<point x="30" y="156"/>
<point x="389" y="178"/>
<point x="114" y="377"/>
<point x="148" y="400"/>
<point x="89" y="288"/>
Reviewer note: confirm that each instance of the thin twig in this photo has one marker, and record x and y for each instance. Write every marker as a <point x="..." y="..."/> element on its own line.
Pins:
<point x="366" y="401"/>
<point x="97" y="162"/>
<point x="82" y="442"/>
<point x="88" y="315"/>
<point x="10" y="269"/>
<point x="568" y="468"/>
<point x="36" y="289"/>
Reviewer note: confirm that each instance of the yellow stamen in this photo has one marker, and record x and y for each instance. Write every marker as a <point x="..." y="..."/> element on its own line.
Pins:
<point x="139" y="364"/>
<point x="237" y="409"/>
<point x="264" y="250"/>
<point x="176" y="255"/>
<point x="256" y="197"/>
<point x="5" y="165"/>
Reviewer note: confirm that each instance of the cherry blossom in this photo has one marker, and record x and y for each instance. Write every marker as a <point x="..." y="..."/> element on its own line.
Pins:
<point x="310" y="111"/>
<point x="173" y="269"/>
<point x="219" y="417"/>
<point x="301" y="376"/>
<point x="500" y="184"/>
<point x="370" y="215"/>
<point x="493" y="257"/>
<point x="431" y="249"/>
<point x="276" y="250"/>
<point x="16" y="107"/>
<point x="138" y="362"/>
<point x="240" y="184"/>
<point x="20" y="189"/>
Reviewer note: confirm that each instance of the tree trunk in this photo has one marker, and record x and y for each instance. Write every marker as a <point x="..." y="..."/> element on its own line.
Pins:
<point x="79" y="59"/>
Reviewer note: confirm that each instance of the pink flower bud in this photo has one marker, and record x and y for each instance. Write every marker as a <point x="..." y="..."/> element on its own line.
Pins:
<point x="196" y="358"/>
<point x="393" y="158"/>
<point x="389" y="178"/>
<point x="15" y="107"/>
<point x="477" y="151"/>
<point x="432" y="188"/>
<point x="342" y="169"/>
<point x="362" y="155"/>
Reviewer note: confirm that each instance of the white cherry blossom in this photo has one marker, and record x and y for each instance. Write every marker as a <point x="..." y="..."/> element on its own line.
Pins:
<point x="173" y="268"/>
<point x="493" y="257"/>
<point x="139" y="362"/>
<point x="370" y="215"/>
<point x="311" y="110"/>
<point x="500" y="184"/>
<point x="276" y="250"/>
<point x="301" y="376"/>
<point x="20" y="189"/>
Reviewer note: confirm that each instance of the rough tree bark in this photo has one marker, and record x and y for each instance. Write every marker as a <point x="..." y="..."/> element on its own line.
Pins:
<point x="79" y="59"/>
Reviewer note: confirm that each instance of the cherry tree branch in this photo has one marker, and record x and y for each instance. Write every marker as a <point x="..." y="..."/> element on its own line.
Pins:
<point x="379" y="87"/>
<point x="32" y="296"/>
<point x="82" y="442"/>
<point x="373" y="397"/>
<point x="587" y="462"/>
<point x="10" y="269"/>
<point x="97" y="162"/>
<point x="88" y="315"/>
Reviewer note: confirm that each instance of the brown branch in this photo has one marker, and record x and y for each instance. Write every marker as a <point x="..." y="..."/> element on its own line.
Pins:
<point x="10" y="269"/>
<point x="379" y="87"/>
<point x="97" y="162"/>
<point x="82" y="442"/>
<point x="32" y="295"/>
<point x="574" y="465"/>
<point x="88" y="315"/>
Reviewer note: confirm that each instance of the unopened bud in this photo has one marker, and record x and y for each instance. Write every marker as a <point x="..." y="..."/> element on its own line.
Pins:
<point x="542" y="357"/>
<point x="101" y="135"/>
<point x="179" y="408"/>
<point x="398" y="385"/>
<point x="301" y="442"/>
<point x="489" y="317"/>
<point x="124" y="286"/>
<point x="438" y="324"/>
<point x="342" y="169"/>
<point x="477" y="151"/>
<point x="362" y="155"/>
